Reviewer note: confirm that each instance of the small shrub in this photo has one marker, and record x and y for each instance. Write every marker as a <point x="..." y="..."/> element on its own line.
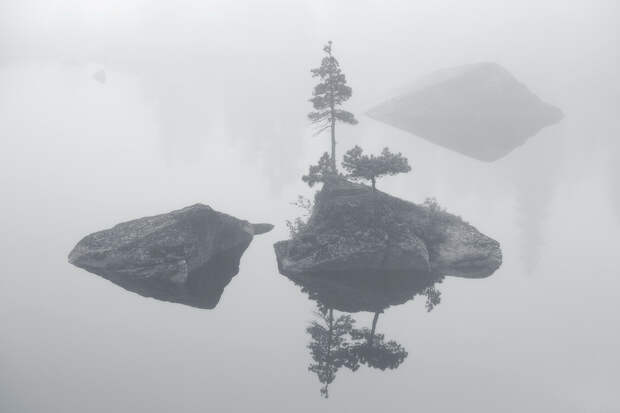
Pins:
<point x="295" y="227"/>
<point x="298" y="225"/>
<point x="303" y="203"/>
<point x="435" y="221"/>
<point x="433" y="206"/>
<point x="322" y="172"/>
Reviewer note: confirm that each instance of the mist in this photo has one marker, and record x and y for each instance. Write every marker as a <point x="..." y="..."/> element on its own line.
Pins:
<point x="207" y="102"/>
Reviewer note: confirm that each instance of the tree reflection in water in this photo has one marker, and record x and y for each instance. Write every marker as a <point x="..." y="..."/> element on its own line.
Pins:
<point x="335" y="342"/>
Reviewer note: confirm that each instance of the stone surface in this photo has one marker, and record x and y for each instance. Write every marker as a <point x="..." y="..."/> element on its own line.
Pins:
<point x="479" y="110"/>
<point x="261" y="228"/>
<point x="353" y="228"/>
<point x="185" y="256"/>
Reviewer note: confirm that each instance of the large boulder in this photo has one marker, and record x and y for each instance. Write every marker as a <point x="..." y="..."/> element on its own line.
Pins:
<point x="353" y="228"/>
<point x="186" y="256"/>
<point x="479" y="110"/>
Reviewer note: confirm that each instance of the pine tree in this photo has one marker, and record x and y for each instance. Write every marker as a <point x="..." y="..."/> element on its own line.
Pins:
<point x="321" y="172"/>
<point x="360" y="166"/>
<point x="327" y="96"/>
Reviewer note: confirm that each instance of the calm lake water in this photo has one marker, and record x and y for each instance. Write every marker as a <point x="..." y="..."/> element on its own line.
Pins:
<point x="77" y="156"/>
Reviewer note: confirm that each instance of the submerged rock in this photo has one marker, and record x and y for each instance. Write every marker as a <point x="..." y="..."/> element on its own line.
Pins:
<point x="353" y="228"/>
<point x="186" y="256"/>
<point x="479" y="110"/>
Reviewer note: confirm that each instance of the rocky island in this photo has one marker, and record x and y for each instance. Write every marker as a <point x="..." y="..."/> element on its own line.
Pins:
<point x="480" y="110"/>
<point x="186" y="256"/>
<point x="353" y="228"/>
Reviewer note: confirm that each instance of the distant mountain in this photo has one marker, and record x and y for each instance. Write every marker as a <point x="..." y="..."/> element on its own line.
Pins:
<point x="479" y="110"/>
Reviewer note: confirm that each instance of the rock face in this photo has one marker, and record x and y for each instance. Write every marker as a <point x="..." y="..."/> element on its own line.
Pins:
<point x="353" y="228"/>
<point x="186" y="256"/>
<point x="479" y="110"/>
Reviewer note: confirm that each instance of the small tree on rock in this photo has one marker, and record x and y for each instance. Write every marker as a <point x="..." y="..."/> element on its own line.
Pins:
<point x="327" y="96"/>
<point x="321" y="172"/>
<point x="360" y="166"/>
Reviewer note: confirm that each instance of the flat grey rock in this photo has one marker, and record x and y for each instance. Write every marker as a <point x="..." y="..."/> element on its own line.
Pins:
<point x="184" y="256"/>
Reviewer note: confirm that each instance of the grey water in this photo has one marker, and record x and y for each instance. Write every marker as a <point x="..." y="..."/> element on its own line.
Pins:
<point x="206" y="102"/>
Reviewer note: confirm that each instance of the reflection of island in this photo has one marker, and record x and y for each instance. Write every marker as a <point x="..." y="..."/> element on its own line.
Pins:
<point x="335" y="340"/>
<point x="186" y="256"/>
<point x="202" y="288"/>
<point x="336" y="343"/>
<point x="479" y="110"/>
<point x="372" y="291"/>
<point x="330" y="346"/>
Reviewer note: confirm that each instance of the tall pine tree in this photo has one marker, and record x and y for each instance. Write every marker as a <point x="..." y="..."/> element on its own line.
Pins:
<point x="328" y="96"/>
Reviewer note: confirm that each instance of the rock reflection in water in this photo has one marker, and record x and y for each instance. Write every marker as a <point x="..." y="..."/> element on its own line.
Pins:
<point x="479" y="110"/>
<point x="371" y="291"/>
<point x="203" y="287"/>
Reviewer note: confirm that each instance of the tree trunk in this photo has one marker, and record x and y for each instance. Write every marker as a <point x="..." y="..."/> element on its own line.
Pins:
<point x="334" y="143"/>
<point x="373" y="183"/>
<point x="332" y="114"/>
<point x="374" y="327"/>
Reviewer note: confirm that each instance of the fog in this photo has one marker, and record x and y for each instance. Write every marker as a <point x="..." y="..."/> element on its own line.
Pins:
<point x="207" y="102"/>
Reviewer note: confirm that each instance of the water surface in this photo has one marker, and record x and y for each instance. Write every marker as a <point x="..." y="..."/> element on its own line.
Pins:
<point x="77" y="156"/>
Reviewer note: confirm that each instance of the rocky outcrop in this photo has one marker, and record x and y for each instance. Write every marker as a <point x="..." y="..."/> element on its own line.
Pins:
<point x="353" y="228"/>
<point x="185" y="256"/>
<point x="479" y="110"/>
